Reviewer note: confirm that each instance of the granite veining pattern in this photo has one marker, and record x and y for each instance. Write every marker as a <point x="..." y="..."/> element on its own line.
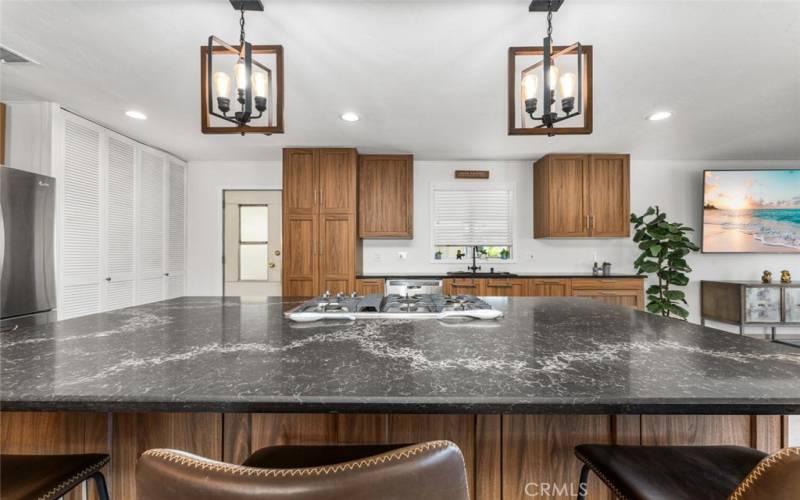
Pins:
<point x="547" y="355"/>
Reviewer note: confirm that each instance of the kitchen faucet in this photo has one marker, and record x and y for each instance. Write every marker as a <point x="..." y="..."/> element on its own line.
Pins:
<point x="474" y="267"/>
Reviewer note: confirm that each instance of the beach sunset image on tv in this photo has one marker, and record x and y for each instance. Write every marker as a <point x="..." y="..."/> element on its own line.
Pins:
<point x="751" y="211"/>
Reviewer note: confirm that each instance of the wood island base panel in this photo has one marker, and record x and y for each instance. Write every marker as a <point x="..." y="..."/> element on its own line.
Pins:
<point x="507" y="456"/>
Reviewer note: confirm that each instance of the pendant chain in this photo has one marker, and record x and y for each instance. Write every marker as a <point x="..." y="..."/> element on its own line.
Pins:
<point x="550" y="19"/>
<point x="241" y="26"/>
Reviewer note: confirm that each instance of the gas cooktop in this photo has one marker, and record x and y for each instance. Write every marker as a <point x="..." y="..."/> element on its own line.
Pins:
<point x="443" y="307"/>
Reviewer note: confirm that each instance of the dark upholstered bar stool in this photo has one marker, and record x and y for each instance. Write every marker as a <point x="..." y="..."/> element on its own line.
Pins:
<point x="692" y="472"/>
<point x="46" y="477"/>
<point x="427" y="471"/>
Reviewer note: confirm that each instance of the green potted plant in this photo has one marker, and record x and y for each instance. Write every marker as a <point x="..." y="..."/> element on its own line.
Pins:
<point x="664" y="246"/>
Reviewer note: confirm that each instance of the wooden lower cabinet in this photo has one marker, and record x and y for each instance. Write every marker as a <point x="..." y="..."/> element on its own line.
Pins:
<point x="369" y="286"/>
<point x="507" y="457"/>
<point x="616" y="291"/>
<point x="505" y="287"/>
<point x="464" y="286"/>
<point x="337" y="253"/>
<point x="550" y="287"/>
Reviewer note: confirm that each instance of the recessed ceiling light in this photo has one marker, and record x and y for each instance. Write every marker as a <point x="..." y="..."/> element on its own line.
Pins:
<point x="350" y="117"/>
<point x="138" y="115"/>
<point x="659" y="115"/>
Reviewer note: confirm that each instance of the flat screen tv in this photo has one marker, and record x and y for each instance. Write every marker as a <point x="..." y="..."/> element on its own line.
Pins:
<point x="751" y="211"/>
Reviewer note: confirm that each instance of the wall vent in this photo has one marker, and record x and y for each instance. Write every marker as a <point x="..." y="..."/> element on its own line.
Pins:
<point x="8" y="56"/>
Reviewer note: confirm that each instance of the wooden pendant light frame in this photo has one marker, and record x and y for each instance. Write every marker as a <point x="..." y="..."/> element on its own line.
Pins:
<point x="277" y="128"/>
<point x="513" y="86"/>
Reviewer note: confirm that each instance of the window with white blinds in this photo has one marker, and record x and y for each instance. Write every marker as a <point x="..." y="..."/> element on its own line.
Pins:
<point x="470" y="217"/>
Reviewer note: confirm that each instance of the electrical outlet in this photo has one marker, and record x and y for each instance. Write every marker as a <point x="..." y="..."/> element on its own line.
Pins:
<point x="402" y="255"/>
<point x="532" y="256"/>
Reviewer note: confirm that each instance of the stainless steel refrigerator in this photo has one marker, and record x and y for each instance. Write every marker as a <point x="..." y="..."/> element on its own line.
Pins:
<point x="27" y="284"/>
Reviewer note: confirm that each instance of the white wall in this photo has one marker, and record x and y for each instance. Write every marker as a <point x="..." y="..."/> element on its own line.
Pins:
<point x="206" y="181"/>
<point x="30" y="141"/>
<point x="675" y="186"/>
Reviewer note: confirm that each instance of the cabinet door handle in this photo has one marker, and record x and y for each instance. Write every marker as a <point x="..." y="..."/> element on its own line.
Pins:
<point x="591" y="222"/>
<point x="588" y="225"/>
<point x="315" y="197"/>
<point x="321" y="251"/>
<point x="321" y="197"/>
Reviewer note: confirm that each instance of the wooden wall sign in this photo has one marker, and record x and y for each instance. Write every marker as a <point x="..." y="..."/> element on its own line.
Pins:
<point x="472" y="174"/>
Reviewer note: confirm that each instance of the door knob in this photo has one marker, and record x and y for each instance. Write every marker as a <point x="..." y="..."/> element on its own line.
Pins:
<point x="271" y="265"/>
<point x="277" y="252"/>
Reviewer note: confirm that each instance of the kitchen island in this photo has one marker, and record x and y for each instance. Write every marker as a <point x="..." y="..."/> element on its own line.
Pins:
<point x="223" y="377"/>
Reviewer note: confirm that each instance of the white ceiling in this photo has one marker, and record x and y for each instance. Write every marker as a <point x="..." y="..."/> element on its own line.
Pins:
<point x="427" y="77"/>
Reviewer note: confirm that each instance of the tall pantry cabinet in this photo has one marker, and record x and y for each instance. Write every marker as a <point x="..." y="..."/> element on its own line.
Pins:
<point x="120" y="219"/>
<point x="320" y="239"/>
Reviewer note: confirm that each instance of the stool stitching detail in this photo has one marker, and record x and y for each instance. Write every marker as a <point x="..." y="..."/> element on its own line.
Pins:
<point x="611" y="485"/>
<point x="58" y="490"/>
<point x="759" y="470"/>
<point x="243" y="470"/>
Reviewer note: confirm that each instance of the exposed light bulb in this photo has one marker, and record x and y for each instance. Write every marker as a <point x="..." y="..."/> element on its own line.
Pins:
<point x="552" y="80"/>
<point x="530" y="84"/>
<point x="240" y="72"/>
<point x="222" y="84"/>
<point x="567" y="85"/>
<point x="260" y="84"/>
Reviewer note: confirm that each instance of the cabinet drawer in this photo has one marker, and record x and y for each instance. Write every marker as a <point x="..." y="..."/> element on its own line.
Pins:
<point x="505" y="287"/>
<point x="463" y="286"/>
<point x="369" y="286"/>
<point x="607" y="284"/>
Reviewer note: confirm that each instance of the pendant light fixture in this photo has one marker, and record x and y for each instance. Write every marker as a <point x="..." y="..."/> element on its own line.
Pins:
<point x="241" y="85"/>
<point x="550" y="84"/>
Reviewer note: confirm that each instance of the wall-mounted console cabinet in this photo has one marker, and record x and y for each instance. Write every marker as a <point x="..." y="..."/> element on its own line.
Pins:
<point x="386" y="196"/>
<point x="581" y="196"/>
<point x="750" y="303"/>
<point x="321" y="250"/>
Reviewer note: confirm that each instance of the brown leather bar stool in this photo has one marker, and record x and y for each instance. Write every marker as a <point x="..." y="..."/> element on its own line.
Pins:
<point x="47" y="477"/>
<point x="690" y="472"/>
<point x="425" y="471"/>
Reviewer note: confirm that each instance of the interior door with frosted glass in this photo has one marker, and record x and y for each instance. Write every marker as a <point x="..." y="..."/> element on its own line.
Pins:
<point x="252" y="258"/>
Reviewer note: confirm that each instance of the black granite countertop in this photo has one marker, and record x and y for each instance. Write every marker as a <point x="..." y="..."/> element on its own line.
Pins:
<point x="547" y="355"/>
<point x="493" y="275"/>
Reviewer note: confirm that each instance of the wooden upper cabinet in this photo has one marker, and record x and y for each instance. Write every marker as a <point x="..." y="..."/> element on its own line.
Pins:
<point x="609" y="195"/>
<point x="386" y="196"/>
<point x="337" y="180"/>
<point x="300" y="179"/>
<point x="581" y="196"/>
<point x="560" y="208"/>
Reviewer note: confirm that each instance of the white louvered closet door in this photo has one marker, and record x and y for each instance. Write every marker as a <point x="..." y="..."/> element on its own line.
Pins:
<point x="150" y="283"/>
<point x="80" y="220"/>
<point x="120" y="226"/>
<point x="176" y="229"/>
